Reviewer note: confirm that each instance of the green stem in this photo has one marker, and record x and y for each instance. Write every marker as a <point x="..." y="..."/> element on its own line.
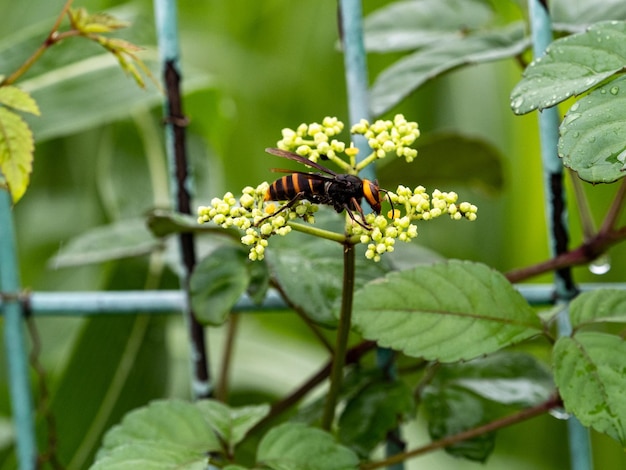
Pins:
<point x="52" y="38"/>
<point x="318" y="232"/>
<point x="366" y="161"/>
<point x="343" y="331"/>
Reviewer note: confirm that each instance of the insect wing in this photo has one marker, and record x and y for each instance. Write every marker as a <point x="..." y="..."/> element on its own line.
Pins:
<point x="300" y="159"/>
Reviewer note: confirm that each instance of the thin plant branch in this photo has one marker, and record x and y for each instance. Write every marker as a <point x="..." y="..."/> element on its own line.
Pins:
<point x="518" y="417"/>
<point x="343" y="332"/>
<point x="614" y="211"/>
<point x="52" y="38"/>
<point x="353" y="355"/>
<point x="221" y="389"/>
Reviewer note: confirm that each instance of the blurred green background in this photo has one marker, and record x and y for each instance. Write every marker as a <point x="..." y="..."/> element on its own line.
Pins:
<point x="250" y="69"/>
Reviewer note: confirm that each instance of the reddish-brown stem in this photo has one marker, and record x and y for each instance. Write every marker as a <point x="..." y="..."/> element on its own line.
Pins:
<point x="583" y="254"/>
<point x="518" y="417"/>
<point x="52" y="38"/>
<point x="353" y="355"/>
<point x="611" y="217"/>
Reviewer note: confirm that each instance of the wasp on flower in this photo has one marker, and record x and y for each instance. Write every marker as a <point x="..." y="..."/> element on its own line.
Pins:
<point x="257" y="215"/>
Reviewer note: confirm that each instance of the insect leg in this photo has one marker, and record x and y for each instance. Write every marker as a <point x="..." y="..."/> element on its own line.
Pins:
<point x="286" y="206"/>
<point x="360" y="211"/>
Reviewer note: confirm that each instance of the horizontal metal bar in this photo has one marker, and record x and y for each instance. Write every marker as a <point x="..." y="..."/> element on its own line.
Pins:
<point x="124" y="302"/>
<point x="171" y="301"/>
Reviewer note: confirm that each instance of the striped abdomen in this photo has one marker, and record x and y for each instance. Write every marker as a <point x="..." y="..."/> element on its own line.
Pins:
<point x="289" y="186"/>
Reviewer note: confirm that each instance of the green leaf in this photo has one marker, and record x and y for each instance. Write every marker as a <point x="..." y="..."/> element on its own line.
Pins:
<point x="465" y="395"/>
<point x="601" y="305"/>
<point x="123" y="239"/>
<point x="19" y="100"/>
<point x="409" y="73"/>
<point x="510" y="378"/>
<point x="468" y="161"/>
<point x="374" y="411"/>
<point x="294" y="446"/>
<point x="445" y="312"/>
<point x="571" y="66"/>
<point x="591" y="142"/>
<point x="232" y="424"/>
<point x="309" y="271"/>
<point x="572" y="16"/>
<point x="164" y="222"/>
<point x="453" y="410"/>
<point x="589" y="372"/>
<point x="116" y="363"/>
<point x="217" y="282"/>
<point x="259" y="281"/>
<point x="164" y="434"/>
<point x="77" y="90"/>
<point x="407" y="25"/>
<point x="16" y="152"/>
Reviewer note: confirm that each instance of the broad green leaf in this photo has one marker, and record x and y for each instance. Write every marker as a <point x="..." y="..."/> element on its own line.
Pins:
<point x="163" y="434"/>
<point x="116" y="363"/>
<point x="17" y="99"/>
<point x="374" y="411"/>
<point x="591" y="131"/>
<point x="123" y="239"/>
<point x="78" y="87"/>
<point x="163" y="223"/>
<point x="571" y="66"/>
<point x="16" y="152"/>
<point x="309" y="272"/>
<point x="572" y="16"/>
<point x="217" y="282"/>
<point x="445" y="312"/>
<point x="452" y="410"/>
<point x="232" y="424"/>
<point x="294" y="446"/>
<point x="409" y="73"/>
<point x="509" y="378"/>
<point x="259" y="281"/>
<point x="602" y="305"/>
<point x="406" y="25"/>
<point x="409" y="255"/>
<point x="589" y="372"/>
<point x="148" y="456"/>
<point x="465" y="395"/>
<point x="447" y="158"/>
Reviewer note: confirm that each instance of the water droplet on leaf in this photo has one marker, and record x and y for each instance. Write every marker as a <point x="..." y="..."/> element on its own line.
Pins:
<point x="601" y="265"/>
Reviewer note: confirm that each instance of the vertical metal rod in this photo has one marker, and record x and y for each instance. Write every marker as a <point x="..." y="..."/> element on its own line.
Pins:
<point x="14" y="342"/>
<point x="355" y="65"/>
<point x="175" y="122"/>
<point x="541" y="28"/>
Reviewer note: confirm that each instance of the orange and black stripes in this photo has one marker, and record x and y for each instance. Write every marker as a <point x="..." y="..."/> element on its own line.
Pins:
<point x="371" y="194"/>
<point x="289" y="186"/>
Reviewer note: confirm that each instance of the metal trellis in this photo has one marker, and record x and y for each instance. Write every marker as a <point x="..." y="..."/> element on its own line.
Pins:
<point x="12" y="298"/>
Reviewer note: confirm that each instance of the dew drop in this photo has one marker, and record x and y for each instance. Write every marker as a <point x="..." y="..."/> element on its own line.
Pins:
<point x="614" y="90"/>
<point x="601" y="265"/>
<point x="559" y="413"/>
<point x="517" y="102"/>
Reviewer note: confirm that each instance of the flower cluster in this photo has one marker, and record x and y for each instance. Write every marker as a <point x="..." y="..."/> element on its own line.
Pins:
<point x="409" y="206"/>
<point x="385" y="136"/>
<point x="259" y="219"/>
<point x="314" y="140"/>
<point x="256" y="221"/>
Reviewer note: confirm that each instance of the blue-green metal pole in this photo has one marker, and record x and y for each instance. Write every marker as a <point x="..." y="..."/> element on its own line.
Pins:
<point x="541" y="28"/>
<point x="14" y="342"/>
<point x="166" y="19"/>
<point x="355" y="65"/>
